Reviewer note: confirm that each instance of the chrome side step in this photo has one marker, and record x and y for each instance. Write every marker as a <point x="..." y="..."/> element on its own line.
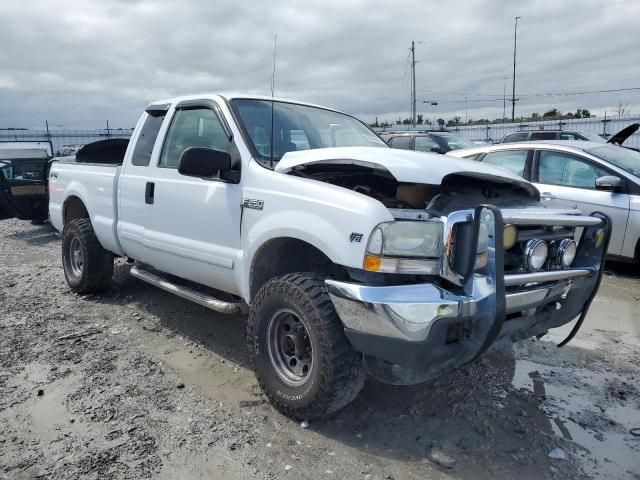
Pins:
<point x="186" y="292"/>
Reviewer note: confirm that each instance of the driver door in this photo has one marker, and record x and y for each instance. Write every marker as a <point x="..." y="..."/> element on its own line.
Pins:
<point x="23" y="189"/>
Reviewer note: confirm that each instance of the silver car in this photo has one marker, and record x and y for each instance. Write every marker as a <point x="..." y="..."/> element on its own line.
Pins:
<point x="582" y="175"/>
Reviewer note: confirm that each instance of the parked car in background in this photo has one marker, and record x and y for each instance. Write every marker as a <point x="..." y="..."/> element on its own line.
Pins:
<point x="587" y="176"/>
<point x="23" y="180"/>
<point x="24" y="172"/>
<point x="68" y="150"/>
<point x="433" y="141"/>
<point x="617" y="139"/>
<point x="551" y="135"/>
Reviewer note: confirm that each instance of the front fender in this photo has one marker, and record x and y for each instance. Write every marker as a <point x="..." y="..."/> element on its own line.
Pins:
<point x="334" y="220"/>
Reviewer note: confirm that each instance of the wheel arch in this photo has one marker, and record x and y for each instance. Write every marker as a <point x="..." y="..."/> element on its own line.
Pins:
<point x="283" y="255"/>
<point x="73" y="208"/>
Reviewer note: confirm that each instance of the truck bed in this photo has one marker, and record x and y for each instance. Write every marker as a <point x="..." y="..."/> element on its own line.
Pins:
<point x="95" y="185"/>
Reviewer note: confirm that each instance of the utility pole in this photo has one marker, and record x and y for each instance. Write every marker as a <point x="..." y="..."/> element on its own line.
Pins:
<point x="513" y="92"/>
<point x="413" y="83"/>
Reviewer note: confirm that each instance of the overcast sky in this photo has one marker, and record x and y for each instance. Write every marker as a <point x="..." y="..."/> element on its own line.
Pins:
<point x="78" y="64"/>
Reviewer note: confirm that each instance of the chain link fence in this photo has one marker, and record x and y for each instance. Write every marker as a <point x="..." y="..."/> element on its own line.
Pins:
<point x="62" y="137"/>
<point x="605" y="127"/>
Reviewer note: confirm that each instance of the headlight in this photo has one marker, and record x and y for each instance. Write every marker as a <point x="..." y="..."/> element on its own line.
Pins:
<point x="405" y="247"/>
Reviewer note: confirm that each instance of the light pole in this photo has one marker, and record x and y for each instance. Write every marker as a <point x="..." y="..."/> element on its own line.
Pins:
<point x="513" y="92"/>
<point x="466" y="111"/>
<point x="504" y="98"/>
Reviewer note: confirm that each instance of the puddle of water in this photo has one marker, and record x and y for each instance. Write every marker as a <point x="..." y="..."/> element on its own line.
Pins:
<point x="617" y="452"/>
<point x="615" y="310"/>
<point x="224" y="382"/>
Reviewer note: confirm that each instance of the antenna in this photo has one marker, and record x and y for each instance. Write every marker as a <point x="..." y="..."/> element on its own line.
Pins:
<point x="273" y="88"/>
<point x="273" y="75"/>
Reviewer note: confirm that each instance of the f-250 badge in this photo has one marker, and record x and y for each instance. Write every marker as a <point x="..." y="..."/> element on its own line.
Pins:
<point x="253" y="203"/>
<point x="355" y="237"/>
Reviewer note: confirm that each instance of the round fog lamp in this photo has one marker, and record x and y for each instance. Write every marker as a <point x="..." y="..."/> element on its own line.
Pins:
<point x="536" y="253"/>
<point x="510" y="236"/>
<point x="567" y="252"/>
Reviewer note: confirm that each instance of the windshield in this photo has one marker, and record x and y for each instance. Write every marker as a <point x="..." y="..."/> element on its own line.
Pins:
<point x="299" y="127"/>
<point x="592" y="137"/>
<point x="455" y="142"/>
<point x="628" y="160"/>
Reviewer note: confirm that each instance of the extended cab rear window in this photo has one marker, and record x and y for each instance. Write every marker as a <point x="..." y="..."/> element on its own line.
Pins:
<point x="147" y="138"/>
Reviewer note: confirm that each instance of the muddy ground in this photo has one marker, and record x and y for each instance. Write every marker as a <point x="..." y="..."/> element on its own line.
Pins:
<point x="136" y="383"/>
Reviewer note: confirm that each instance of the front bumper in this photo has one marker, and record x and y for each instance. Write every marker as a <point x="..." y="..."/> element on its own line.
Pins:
<point x="432" y="328"/>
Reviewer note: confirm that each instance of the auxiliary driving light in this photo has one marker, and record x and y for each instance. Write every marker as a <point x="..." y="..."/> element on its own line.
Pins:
<point x="510" y="236"/>
<point x="598" y="238"/>
<point x="536" y="253"/>
<point x="566" y="252"/>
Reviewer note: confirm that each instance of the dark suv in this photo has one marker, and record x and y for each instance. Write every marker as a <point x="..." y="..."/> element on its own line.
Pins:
<point x="435" y="141"/>
<point x="551" y="135"/>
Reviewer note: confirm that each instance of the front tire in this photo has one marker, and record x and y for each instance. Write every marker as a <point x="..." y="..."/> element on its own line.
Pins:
<point x="88" y="267"/>
<point x="298" y="349"/>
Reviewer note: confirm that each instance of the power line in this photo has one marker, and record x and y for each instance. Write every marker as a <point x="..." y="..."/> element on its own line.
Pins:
<point x="526" y="95"/>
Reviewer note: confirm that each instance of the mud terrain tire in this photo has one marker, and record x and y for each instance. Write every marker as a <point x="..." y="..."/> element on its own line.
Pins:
<point x="88" y="267"/>
<point x="336" y="373"/>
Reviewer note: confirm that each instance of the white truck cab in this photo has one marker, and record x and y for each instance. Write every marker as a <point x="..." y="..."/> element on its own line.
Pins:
<point x="352" y="257"/>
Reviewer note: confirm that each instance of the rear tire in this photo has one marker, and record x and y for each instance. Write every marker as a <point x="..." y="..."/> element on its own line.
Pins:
<point x="298" y="350"/>
<point x="88" y="267"/>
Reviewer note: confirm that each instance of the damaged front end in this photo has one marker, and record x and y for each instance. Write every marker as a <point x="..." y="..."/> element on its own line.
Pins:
<point x="483" y="294"/>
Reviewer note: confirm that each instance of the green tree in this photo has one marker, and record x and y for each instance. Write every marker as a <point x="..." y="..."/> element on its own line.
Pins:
<point x="554" y="112"/>
<point x="419" y="120"/>
<point x="585" y="113"/>
<point x="441" y="122"/>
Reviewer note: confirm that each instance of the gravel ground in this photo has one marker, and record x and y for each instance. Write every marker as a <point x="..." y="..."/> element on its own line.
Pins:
<point x="136" y="383"/>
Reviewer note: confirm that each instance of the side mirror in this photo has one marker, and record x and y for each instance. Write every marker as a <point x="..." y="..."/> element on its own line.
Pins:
<point x="609" y="183"/>
<point x="204" y="162"/>
<point x="436" y="150"/>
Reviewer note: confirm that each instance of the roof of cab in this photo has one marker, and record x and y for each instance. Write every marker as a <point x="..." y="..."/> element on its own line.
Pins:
<point x="235" y="96"/>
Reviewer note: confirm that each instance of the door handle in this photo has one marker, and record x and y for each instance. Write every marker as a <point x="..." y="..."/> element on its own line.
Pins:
<point x="547" y="196"/>
<point x="149" y="192"/>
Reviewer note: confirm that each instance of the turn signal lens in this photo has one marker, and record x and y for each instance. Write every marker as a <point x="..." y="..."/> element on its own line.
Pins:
<point x="510" y="236"/>
<point x="372" y="263"/>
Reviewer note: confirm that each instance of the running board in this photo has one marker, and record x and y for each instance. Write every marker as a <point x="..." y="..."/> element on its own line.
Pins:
<point x="186" y="292"/>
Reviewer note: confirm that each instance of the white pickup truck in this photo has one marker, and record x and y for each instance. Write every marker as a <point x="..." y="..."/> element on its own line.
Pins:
<point x="352" y="257"/>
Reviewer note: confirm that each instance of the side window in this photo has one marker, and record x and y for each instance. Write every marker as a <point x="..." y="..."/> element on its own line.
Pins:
<point x="299" y="139"/>
<point x="514" y="160"/>
<point x="196" y="127"/>
<point x="543" y="135"/>
<point x="557" y="168"/>
<point x="144" y="145"/>
<point x="426" y="144"/>
<point x="401" y="142"/>
<point x="515" y="137"/>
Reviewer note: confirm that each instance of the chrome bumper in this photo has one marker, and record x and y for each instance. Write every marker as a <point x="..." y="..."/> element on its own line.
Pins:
<point x="407" y="312"/>
<point x="490" y="307"/>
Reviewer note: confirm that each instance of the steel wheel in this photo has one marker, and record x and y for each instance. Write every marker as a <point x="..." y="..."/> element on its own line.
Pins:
<point x="289" y="347"/>
<point x="76" y="260"/>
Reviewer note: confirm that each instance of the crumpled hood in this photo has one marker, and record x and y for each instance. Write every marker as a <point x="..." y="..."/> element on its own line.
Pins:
<point x="405" y="165"/>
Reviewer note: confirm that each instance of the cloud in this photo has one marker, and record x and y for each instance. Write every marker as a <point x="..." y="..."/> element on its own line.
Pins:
<point x="79" y="64"/>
